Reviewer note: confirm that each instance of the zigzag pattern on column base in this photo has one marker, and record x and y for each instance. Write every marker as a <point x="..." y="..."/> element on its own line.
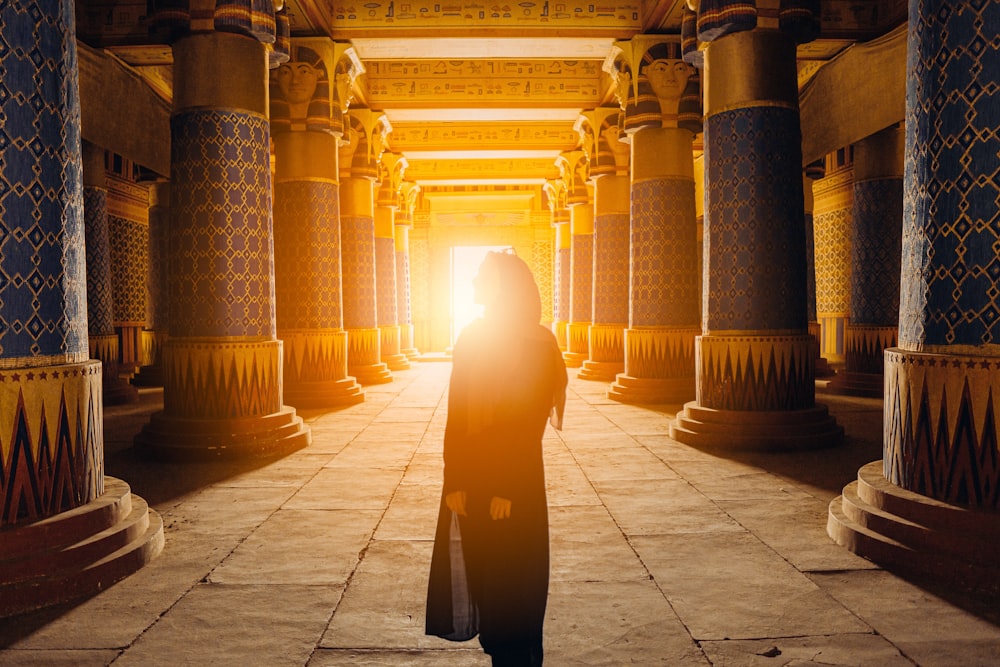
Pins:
<point x="651" y="391"/>
<point x="371" y="373"/>
<point x="601" y="371"/>
<point x="905" y="531"/>
<point x="849" y="383"/>
<point x="79" y="552"/>
<point x="812" y="428"/>
<point x="176" y="439"/>
<point x="328" y="394"/>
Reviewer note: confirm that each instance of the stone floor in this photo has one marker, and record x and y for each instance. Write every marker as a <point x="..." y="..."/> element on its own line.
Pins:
<point x="661" y="553"/>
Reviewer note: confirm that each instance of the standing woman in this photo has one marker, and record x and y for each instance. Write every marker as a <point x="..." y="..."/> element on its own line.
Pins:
<point x="490" y="567"/>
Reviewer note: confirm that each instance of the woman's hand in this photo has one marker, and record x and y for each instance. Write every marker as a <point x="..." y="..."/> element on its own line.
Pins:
<point x="499" y="508"/>
<point x="456" y="502"/>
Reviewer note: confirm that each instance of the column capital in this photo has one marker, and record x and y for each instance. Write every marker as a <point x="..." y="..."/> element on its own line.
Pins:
<point x="600" y="132"/>
<point x="364" y="143"/>
<point x="313" y="89"/>
<point x="573" y="167"/>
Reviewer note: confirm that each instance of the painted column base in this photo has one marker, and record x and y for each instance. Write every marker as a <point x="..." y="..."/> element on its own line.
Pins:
<point x="364" y="360"/>
<point x="406" y="342"/>
<point x="848" y="383"/>
<point x="823" y="367"/>
<point x="606" y="353"/>
<point x="170" y="438"/>
<point x="786" y="430"/>
<point x="653" y="391"/>
<point x="392" y="355"/>
<point x="79" y="552"/>
<point x="150" y="374"/>
<point x="559" y="328"/>
<point x="578" y="344"/>
<point x="911" y="533"/>
<point x="115" y="389"/>
<point x="315" y="369"/>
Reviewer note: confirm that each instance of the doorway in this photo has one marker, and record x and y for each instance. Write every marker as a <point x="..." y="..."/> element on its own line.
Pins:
<point x="465" y="262"/>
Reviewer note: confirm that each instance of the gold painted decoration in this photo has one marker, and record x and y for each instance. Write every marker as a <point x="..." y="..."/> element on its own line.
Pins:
<point x="660" y="352"/>
<point x="484" y="82"/>
<point x="314" y="355"/>
<point x="756" y="373"/>
<point x="499" y="135"/>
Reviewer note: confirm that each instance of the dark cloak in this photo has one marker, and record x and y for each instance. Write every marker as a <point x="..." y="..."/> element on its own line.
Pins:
<point x="491" y="576"/>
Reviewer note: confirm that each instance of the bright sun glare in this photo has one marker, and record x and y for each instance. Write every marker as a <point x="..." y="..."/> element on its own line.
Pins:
<point x="465" y="261"/>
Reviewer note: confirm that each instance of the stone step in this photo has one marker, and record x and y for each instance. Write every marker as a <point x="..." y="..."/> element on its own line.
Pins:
<point x="66" y="528"/>
<point x="879" y="492"/>
<point x="86" y="567"/>
<point x="882" y="541"/>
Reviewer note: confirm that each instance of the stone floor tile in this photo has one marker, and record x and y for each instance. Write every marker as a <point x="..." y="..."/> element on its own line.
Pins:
<point x="567" y="485"/>
<point x="608" y="624"/>
<point x="659" y="506"/>
<point x="63" y="658"/>
<point x="729" y="585"/>
<point x="586" y="545"/>
<point x="304" y="547"/>
<point x="463" y="657"/>
<point x="625" y="464"/>
<point x="388" y="592"/>
<point x="412" y="514"/>
<point x="346" y="488"/>
<point x="857" y="650"/>
<point x="237" y="625"/>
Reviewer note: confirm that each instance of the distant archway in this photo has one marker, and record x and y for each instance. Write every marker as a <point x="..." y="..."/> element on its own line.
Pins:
<point x="465" y="261"/>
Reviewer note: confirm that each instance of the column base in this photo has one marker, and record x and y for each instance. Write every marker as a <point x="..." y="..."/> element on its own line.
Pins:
<point x="577" y="344"/>
<point x="915" y="534"/>
<point x="412" y="353"/>
<point x="574" y="359"/>
<point x="170" y="438"/>
<point x="389" y="347"/>
<point x="148" y="376"/>
<point x="811" y="428"/>
<point x="372" y="374"/>
<point x="651" y="391"/>
<point x="849" y="383"/>
<point x="601" y="371"/>
<point x="79" y="552"/>
<point x="334" y="393"/>
<point x="397" y="362"/>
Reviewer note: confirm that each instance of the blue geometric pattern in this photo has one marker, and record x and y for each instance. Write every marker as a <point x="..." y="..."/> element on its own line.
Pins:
<point x="560" y="296"/>
<point x="951" y="223"/>
<point x="385" y="280"/>
<point x="129" y="258"/>
<point x="664" y="288"/>
<point x="878" y="220"/>
<point x="611" y="268"/>
<point x="307" y="255"/>
<point x="42" y="272"/>
<point x="222" y="273"/>
<point x="357" y="252"/>
<point x="100" y="296"/>
<point x="581" y="308"/>
<point x="754" y="221"/>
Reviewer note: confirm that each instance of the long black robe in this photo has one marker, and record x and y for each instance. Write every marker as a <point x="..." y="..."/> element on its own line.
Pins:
<point x="491" y="576"/>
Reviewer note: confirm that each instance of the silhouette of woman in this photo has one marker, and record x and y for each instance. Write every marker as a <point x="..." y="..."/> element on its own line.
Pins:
<point x="490" y="566"/>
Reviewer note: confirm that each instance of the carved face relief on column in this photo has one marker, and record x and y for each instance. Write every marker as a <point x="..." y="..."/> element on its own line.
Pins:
<point x="667" y="79"/>
<point x="300" y="92"/>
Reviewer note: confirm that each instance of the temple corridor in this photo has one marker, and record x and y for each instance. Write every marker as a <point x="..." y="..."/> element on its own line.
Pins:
<point x="661" y="553"/>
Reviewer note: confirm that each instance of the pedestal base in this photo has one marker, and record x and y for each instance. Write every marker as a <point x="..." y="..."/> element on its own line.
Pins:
<point x="117" y="391"/>
<point x="396" y="362"/>
<point x="148" y="376"/>
<point x="574" y="359"/>
<point x="811" y="428"/>
<point x="372" y="374"/>
<point x="79" y="552"/>
<point x="336" y="393"/>
<point x="601" y="371"/>
<point x="848" y="383"/>
<point x="912" y="533"/>
<point x="175" y="439"/>
<point x="651" y="391"/>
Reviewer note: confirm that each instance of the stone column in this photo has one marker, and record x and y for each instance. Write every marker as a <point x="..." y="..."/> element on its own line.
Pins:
<point x="385" y="261"/>
<point x="930" y="505"/>
<point x="755" y="360"/>
<point x="128" y="233"/>
<point x="573" y="165"/>
<point x="222" y="393"/>
<point x="102" y="338"/>
<point x="810" y="174"/>
<point x="561" y="261"/>
<point x="308" y="292"/>
<point x="359" y="168"/>
<point x="663" y="289"/>
<point x="155" y="335"/>
<point x="68" y="530"/>
<point x="833" y="198"/>
<point x="878" y="220"/>
<point x="609" y="318"/>
<point x="404" y="309"/>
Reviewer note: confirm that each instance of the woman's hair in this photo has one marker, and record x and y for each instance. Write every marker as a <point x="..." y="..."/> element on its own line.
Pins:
<point x="515" y="299"/>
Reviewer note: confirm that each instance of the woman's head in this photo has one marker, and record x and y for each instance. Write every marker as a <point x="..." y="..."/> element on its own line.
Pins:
<point x="507" y="291"/>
